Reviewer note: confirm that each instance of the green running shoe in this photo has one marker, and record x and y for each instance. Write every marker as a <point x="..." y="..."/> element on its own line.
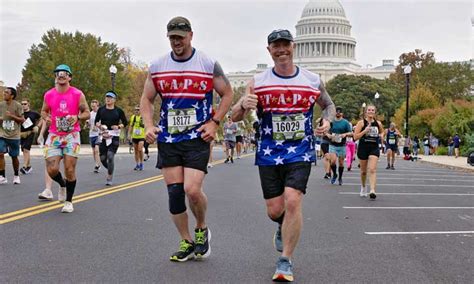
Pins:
<point x="185" y="252"/>
<point x="202" y="237"/>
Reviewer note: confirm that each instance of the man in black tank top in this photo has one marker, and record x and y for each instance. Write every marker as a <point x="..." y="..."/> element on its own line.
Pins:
<point x="391" y="136"/>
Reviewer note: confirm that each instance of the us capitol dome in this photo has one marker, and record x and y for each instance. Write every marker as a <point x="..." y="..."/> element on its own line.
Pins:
<point x="324" y="45"/>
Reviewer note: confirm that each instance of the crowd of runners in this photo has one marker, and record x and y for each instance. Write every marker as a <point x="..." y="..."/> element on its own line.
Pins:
<point x="279" y="102"/>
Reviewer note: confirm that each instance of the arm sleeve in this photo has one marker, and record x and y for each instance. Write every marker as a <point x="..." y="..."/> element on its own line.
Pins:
<point x="123" y="118"/>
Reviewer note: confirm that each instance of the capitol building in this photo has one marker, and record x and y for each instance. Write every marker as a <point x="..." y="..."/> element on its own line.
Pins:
<point x="324" y="45"/>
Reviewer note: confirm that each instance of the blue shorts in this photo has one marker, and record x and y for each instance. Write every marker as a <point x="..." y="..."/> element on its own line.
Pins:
<point x="10" y="146"/>
<point x="93" y="141"/>
<point x="340" y="151"/>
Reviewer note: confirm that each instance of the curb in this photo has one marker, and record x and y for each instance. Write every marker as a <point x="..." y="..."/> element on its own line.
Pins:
<point x="462" y="169"/>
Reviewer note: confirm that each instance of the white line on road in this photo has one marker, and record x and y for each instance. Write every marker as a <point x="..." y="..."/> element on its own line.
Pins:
<point x="420" y="233"/>
<point x="412" y="185"/>
<point x="413" y="178"/>
<point x="354" y="174"/>
<point x="403" y="208"/>
<point x="414" y="193"/>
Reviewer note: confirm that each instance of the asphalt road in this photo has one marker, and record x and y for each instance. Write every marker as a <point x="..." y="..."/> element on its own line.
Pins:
<point x="420" y="229"/>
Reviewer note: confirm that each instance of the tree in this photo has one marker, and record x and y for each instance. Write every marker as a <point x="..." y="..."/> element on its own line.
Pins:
<point x="417" y="60"/>
<point x="88" y="57"/>
<point x="454" y="117"/>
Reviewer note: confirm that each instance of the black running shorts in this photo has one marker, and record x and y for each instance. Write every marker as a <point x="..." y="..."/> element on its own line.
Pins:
<point x="274" y="179"/>
<point x="367" y="149"/>
<point x="239" y="139"/>
<point x="26" y="143"/>
<point x="192" y="154"/>
<point x="325" y="148"/>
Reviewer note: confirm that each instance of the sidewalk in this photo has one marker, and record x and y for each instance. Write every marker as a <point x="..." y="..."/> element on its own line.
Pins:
<point x="447" y="161"/>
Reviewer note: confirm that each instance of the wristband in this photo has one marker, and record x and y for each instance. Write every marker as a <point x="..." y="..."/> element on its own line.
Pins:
<point x="215" y="121"/>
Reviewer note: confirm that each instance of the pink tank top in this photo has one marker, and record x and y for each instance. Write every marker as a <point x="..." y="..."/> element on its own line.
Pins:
<point x="61" y="106"/>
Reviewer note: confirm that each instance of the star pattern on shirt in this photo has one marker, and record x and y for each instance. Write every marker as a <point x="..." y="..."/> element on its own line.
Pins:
<point x="267" y="130"/>
<point x="267" y="151"/>
<point x="169" y="139"/>
<point x="193" y="135"/>
<point x="279" y="143"/>
<point x="170" y="105"/>
<point x="291" y="149"/>
<point x="306" y="157"/>
<point x="196" y="105"/>
<point x="162" y="113"/>
<point x="278" y="161"/>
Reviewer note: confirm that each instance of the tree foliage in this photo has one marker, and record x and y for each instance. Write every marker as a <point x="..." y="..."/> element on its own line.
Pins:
<point x="88" y="57"/>
<point x="350" y="92"/>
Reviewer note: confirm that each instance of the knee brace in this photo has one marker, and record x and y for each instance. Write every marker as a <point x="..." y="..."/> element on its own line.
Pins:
<point x="177" y="202"/>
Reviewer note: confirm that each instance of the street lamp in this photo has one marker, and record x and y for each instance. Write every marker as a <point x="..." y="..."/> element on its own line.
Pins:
<point x="407" y="71"/>
<point x="113" y="71"/>
<point x="363" y="109"/>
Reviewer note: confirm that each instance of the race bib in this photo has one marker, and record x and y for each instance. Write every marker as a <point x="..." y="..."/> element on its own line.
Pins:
<point x="338" y="138"/>
<point x="62" y="124"/>
<point x="181" y="120"/>
<point x="288" y="127"/>
<point x="373" y="131"/>
<point x="8" y="125"/>
<point x="137" y="131"/>
<point x="391" y="141"/>
<point x="229" y="131"/>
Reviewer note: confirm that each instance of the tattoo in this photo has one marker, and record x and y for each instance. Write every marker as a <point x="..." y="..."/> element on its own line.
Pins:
<point x="326" y="104"/>
<point x="218" y="72"/>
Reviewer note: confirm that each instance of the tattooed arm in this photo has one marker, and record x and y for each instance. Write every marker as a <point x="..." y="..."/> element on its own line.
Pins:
<point x="328" y="108"/>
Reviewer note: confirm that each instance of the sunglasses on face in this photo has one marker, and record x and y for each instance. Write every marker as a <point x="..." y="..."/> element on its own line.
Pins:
<point x="179" y="26"/>
<point x="279" y="34"/>
<point x="61" y="74"/>
<point x="25" y="104"/>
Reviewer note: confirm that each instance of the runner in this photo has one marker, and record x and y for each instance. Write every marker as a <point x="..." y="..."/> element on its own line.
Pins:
<point x="29" y="128"/>
<point x="184" y="80"/>
<point x="11" y="118"/>
<point x="111" y="120"/>
<point x="340" y="129"/>
<point x="94" y="135"/>
<point x="63" y="107"/>
<point x="368" y="131"/>
<point x="239" y="138"/>
<point x="284" y="97"/>
<point x="230" y="138"/>
<point x="325" y="141"/>
<point x="136" y="132"/>
<point x="391" y="137"/>
<point x="350" y="151"/>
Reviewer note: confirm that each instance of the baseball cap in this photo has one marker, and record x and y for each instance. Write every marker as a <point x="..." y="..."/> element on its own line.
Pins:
<point x="179" y="26"/>
<point x="279" y="34"/>
<point x="111" y="94"/>
<point x="339" y="109"/>
<point x="63" y="67"/>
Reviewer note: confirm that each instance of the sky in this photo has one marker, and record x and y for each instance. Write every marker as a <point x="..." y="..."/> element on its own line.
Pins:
<point x="234" y="32"/>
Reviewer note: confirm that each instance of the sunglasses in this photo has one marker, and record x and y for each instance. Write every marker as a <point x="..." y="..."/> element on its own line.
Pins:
<point x="61" y="74"/>
<point x="179" y="26"/>
<point x="25" y="104"/>
<point x="276" y="34"/>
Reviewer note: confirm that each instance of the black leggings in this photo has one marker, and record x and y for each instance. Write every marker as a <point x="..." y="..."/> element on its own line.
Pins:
<point x="107" y="154"/>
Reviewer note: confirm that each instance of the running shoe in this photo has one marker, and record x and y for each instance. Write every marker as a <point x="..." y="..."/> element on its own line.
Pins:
<point x="363" y="191"/>
<point x="96" y="169"/>
<point x="67" y="208"/>
<point x="283" y="271"/>
<point x="327" y="176"/>
<point x="349" y="169"/>
<point x="333" y="180"/>
<point x="28" y="170"/>
<point x="232" y="160"/>
<point x="372" y="195"/>
<point x="146" y="158"/>
<point x="388" y="167"/>
<point x="202" y="248"/>
<point x="16" y="180"/>
<point x="137" y="167"/>
<point x="277" y="240"/>
<point x="141" y="167"/>
<point x="184" y="253"/>
<point x="392" y="167"/>
<point x="47" y="194"/>
<point x="209" y="165"/>
<point x="3" y="180"/>
<point x="23" y="170"/>
<point x="340" y="181"/>
<point x="108" y="182"/>
<point x="226" y="161"/>
<point x="62" y="194"/>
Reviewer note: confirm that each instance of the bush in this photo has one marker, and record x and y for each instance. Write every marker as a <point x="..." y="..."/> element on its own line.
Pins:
<point x="442" y="151"/>
<point x="468" y="146"/>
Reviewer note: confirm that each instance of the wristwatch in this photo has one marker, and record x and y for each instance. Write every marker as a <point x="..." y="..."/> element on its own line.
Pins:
<point x="216" y="121"/>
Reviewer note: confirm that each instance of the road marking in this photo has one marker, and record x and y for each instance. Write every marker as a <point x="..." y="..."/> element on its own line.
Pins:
<point x="403" y="208"/>
<point x="35" y="210"/>
<point x="412" y="185"/>
<point x="413" y="179"/>
<point x="414" y="193"/>
<point x="80" y="198"/>
<point x="420" y="233"/>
